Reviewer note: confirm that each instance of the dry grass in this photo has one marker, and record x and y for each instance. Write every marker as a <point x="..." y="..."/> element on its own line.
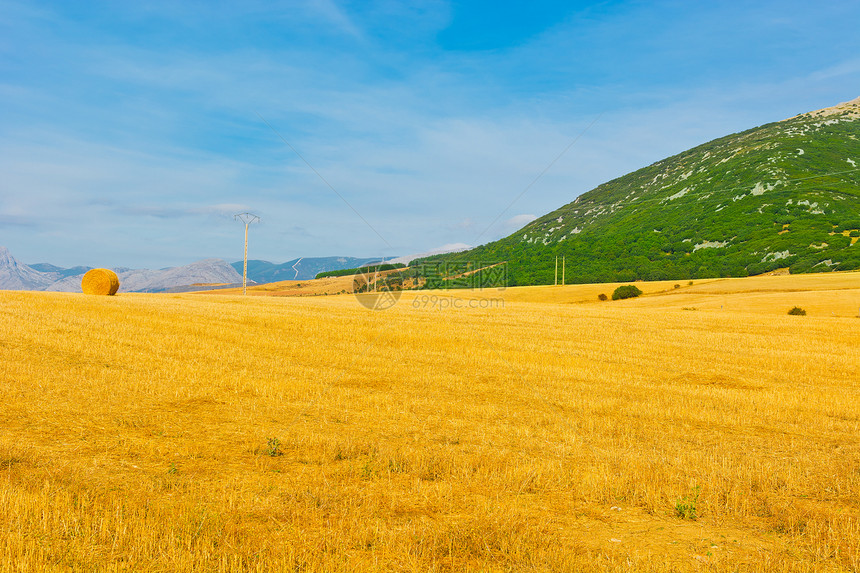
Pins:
<point x="826" y="294"/>
<point x="137" y="434"/>
<point x="308" y="287"/>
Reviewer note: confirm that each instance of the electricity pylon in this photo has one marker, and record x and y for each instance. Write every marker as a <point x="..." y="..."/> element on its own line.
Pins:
<point x="246" y="218"/>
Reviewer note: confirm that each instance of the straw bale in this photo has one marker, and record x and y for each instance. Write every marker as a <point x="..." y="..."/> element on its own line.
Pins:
<point x="100" y="281"/>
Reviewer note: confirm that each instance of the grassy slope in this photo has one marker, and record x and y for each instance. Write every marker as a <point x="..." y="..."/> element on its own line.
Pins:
<point x="736" y="206"/>
<point x="543" y="435"/>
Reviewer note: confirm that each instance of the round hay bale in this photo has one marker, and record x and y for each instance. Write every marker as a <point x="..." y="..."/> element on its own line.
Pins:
<point x="100" y="281"/>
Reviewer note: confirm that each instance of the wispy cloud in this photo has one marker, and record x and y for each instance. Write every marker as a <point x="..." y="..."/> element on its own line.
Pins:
<point x="333" y="14"/>
<point x="17" y="221"/>
<point x="223" y="209"/>
<point x="849" y="68"/>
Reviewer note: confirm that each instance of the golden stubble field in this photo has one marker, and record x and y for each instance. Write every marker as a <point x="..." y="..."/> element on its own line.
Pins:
<point x="229" y="433"/>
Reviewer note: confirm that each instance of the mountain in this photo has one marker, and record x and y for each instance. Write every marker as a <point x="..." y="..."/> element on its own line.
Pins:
<point x="43" y="276"/>
<point x="146" y="280"/>
<point x="49" y="268"/>
<point x="205" y="271"/>
<point x="304" y="268"/>
<point x="785" y="194"/>
<point x="18" y="276"/>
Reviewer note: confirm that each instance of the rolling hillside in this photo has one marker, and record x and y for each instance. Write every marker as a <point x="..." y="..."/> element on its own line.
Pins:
<point x="786" y="194"/>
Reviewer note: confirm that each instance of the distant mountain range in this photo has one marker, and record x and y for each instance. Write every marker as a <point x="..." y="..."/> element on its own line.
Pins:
<point x="15" y="275"/>
<point x="786" y="194"/>
<point x="298" y="269"/>
<point x="306" y="268"/>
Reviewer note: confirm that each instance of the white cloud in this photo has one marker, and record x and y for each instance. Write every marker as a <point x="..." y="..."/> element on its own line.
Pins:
<point x="519" y="221"/>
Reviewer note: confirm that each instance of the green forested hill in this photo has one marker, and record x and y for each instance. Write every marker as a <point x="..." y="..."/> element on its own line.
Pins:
<point x="785" y="194"/>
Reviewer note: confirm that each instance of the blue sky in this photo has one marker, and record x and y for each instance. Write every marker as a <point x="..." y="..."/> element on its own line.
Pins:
<point x="130" y="133"/>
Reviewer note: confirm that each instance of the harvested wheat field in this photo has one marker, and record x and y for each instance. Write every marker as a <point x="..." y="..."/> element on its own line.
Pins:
<point x="229" y="433"/>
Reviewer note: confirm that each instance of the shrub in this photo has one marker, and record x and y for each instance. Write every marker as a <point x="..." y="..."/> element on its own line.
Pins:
<point x="797" y="311"/>
<point x="602" y="296"/>
<point x="854" y="234"/>
<point x="677" y="286"/>
<point x="626" y="291"/>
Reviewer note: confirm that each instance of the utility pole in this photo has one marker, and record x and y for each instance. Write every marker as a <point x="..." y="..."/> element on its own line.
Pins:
<point x="562" y="270"/>
<point x="556" y="270"/>
<point x="246" y="218"/>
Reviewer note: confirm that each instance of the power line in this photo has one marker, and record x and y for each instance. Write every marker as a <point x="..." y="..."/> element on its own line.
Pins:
<point x="541" y="174"/>
<point x="323" y="179"/>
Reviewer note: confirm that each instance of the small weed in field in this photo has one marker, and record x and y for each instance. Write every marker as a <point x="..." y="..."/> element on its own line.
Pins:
<point x="172" y="470"/>
<point x="677" y="286"/>
<point x="685" y="508"/>
<point x="367" y="470"/>
<point x="797" y="311"/>
<point x="9" y="462"/>
<point x="397" y="466"/>
<point x="602" y="296"/>
<point x="273" y="447"/>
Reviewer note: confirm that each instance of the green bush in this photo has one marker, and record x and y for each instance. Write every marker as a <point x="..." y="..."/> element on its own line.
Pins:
<point x="626" y="291"/>
<point x="602" y="296"/>
<point x="797" y="311"/>
<point x="854" y="234"/>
